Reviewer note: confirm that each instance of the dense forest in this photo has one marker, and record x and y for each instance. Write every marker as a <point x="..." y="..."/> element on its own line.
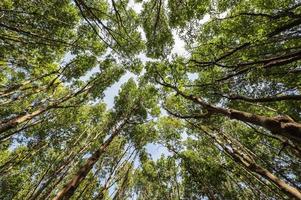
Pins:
<point x="222" y="111"/>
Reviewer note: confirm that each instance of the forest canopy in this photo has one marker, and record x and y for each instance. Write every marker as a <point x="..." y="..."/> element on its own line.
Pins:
<point x="211" y="86"/>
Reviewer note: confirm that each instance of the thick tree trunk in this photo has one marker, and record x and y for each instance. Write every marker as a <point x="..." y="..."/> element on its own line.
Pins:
<point x="46" y="195"/>
<point x="279" y="125"/>
<point x="292" y="191"/>
<point x="70" y="188"/>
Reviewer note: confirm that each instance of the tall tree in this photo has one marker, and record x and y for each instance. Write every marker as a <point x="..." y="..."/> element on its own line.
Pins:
<point x="225" y="114"/>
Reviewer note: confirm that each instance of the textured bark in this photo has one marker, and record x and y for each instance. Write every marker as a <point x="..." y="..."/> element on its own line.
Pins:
<point x="47" y="194"/>
<point x="70" y="188"/>
<point x="279" y="125"/>
<point x="292" y="191"/>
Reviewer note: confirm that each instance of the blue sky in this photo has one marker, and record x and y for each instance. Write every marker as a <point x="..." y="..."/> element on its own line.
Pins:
<point x="155" y="150"/>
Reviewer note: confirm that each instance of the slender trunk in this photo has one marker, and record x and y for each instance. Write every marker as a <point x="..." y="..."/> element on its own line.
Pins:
<point x="72" y="185"/>
<point x="47" y="194"/>
<point x="20" y="86"/>
<point x="83" y="191"/>
<point x="62" y="165"/>
<point x="209" y="193"/>
<point x="106" y="185"/>
<point x="30" y="193"/>
<point x="12" y="123"/>
<point x="61" y="169"/>
<point x="26" y="126"/>
<point x="26" y="95"/>
<point x="6" y="167"/>
<point x="121" y="190"/>
<point x="177" y="184"/>
<point x="247" y="161"/>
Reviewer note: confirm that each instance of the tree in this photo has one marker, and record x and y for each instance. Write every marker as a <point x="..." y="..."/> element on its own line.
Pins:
<point x="225" y="116"/>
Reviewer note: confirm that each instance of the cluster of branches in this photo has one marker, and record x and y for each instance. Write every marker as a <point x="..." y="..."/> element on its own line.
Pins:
<point x="57" y="140"/>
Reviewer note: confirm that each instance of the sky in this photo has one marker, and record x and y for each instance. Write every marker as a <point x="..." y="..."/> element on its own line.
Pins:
<point x="155" y="150"/>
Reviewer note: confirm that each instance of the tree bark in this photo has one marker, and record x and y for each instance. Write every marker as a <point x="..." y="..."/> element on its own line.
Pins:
<point x="72" y="185"/>
<point x="250" y="163"/>
<point x="5" y="126"/>
<point x="279" y="125"/>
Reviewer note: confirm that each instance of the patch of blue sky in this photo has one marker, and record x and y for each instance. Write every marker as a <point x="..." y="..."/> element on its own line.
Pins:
<point x="157" y="150"/>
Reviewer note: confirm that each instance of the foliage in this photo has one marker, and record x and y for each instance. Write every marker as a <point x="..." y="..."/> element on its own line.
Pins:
<point x="225" y="116"/>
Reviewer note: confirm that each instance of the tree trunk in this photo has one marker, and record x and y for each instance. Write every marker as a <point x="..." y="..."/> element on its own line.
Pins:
<point x="7" y="125"/>
<point x="72" y="185"/>
<point x="249" y="162"/>
<point x="64" y="163"/>
<point x="279" y="125"/>
<point x="292" y="191"/>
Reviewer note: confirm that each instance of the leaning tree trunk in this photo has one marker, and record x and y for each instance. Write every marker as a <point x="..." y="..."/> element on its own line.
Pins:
<point x="72" y="185"/>
<point x="279" y="125"/>
<point x="244" y="158"/>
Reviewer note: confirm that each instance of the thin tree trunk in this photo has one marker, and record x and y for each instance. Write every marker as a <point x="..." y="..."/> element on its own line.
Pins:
<point x="5" y="126"/>
<point x="72" y="185"/>
<point x="62" y="165"/>
<point x="264" y="99"/>
<point x="249" y="162"/>
<point x="12" y="123"/>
